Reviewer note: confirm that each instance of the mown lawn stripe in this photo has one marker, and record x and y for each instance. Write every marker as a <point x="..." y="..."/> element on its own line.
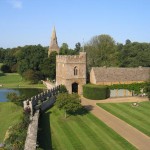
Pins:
<point x="68" y="130"/>
<point x="62" y="137"/>
<point x="132" y="115"/>
<point x="83" y="136"/>
<point x="83" y="133"/>
<point x="137" y="119"/>
<point x="114" y="141"/>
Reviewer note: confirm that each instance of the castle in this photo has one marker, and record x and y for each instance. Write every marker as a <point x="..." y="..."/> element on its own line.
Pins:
<point x="71" y="71"/>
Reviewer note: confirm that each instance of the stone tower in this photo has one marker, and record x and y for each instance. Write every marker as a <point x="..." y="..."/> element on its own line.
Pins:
<point x="71" y="71"/>
<point x="53" y="44"/>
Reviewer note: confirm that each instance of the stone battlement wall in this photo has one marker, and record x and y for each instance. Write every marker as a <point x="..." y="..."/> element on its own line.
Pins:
<point x="81" y="58"/>
<point x="46" y="99"/>
<point x="30" y="143"/>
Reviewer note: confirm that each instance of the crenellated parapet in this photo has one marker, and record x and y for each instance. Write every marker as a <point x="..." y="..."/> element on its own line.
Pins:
<point x="35" y="105"/>
<point x="35" y="102"/>
<point x="81" y="58"/>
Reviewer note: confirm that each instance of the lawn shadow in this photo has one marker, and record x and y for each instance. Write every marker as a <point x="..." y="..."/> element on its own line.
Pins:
<point x="83" y="111"/>
<point x="44" y="133"/>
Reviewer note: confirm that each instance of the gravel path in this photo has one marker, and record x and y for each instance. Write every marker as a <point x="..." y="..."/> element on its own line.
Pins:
<point x="131" y="134"/>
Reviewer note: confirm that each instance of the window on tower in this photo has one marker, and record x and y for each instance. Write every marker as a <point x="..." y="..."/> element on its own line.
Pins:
<point x="75" y="71"/>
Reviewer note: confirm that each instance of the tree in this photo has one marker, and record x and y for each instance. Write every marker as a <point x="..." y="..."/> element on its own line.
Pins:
<point x="70" y="103"/>
<point x="77" y="47"/>
<point x="31" y="57"/>
<point x="52" y="65"/>
<point x="32" y="76"/>
<point x="135" y="54"/>
<point x="5" y="69"/>
<point x="101" y="51"/>
<point x="18" y="100"/>
<point x="64" y="50"/>
<point x="128" y="41"/>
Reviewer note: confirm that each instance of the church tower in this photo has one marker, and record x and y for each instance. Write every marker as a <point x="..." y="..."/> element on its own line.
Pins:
<point x="53" y="44"/>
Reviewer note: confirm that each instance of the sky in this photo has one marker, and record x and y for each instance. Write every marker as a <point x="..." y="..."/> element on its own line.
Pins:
<point x="30" y="22"/>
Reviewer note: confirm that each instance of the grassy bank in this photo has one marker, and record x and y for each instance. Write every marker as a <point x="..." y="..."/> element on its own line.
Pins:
<point x="81" y="132"/>
<point x="137" y="116"/>
<point x="14" y="80"/>
<point x="9" y="115"/>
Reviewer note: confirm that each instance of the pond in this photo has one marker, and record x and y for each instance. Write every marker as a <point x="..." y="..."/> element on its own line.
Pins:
<point x="27" y="92"/>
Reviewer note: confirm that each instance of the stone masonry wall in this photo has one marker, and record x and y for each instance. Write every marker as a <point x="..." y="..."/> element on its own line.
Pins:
<point x="30" y="143"/>
<point x="65" y="71"/>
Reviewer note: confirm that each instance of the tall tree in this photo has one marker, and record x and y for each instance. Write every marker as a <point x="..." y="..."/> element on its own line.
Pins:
<point x="31" y="57"/>
<point x="102" y="51"/>
<point x="135" y="54"/>
<point x="64" y="50"/>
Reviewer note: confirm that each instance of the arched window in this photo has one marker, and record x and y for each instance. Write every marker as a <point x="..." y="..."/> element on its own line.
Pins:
<point x="75" y="71"/>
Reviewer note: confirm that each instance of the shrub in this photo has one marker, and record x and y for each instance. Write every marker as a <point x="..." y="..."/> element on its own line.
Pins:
<point x="17" y="134"/>
<point x="147" y="89"/>
<point x="71" y="103"/>
<point x="96" y="92"/>
<point x="18" y="100"/>
<point x="32" y="76"/>
<point x="63" y="89"/>
<point x="5" y="69"/>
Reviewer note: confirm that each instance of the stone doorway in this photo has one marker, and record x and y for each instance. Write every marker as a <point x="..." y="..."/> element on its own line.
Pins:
<point x="75" y="87"/>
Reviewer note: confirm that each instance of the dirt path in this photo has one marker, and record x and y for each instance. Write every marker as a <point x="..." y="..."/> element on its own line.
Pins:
<point x="131" y="134"/>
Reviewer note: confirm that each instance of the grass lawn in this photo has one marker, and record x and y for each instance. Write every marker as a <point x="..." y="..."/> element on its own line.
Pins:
<point x="81" y="132"/>
<point x="137" y="116"/>
<point x="9" y="115"/>
<point x="14" y="80"/>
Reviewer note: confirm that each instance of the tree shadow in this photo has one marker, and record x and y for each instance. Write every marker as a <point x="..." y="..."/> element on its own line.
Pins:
<point x="83" y="111"/>
<point x="44" y="133"/>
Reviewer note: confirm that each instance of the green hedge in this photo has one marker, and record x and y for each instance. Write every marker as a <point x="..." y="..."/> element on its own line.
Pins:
<point x="96" y="92"/>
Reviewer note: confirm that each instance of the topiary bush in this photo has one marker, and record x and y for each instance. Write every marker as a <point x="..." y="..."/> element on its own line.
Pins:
<point x="96" y="92"/>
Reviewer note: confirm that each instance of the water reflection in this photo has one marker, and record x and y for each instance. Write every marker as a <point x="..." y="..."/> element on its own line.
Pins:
<point x="27" y="92"/>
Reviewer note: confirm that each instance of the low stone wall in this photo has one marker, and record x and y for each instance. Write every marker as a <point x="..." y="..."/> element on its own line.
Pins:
<point x="30" y="143"/>
<point x="120" y="93"/>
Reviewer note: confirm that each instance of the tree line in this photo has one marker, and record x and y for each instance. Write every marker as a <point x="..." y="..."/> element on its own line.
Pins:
<point x="33" y="64"/>
<point x="102" y="50"/>
<point x="32" y="61"/>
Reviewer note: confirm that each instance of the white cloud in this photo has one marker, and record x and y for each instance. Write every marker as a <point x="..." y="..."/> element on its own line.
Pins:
<point x="16" y="3"/>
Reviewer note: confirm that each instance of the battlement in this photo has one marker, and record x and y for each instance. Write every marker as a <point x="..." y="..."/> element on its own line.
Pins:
<point x="81" y="58"/>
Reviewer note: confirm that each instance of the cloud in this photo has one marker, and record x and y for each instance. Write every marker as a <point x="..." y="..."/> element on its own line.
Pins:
<point x="16" y="3"/>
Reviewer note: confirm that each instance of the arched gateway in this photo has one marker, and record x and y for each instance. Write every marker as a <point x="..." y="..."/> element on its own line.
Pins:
<point x="71" y="71"/>
<point x="75" y="87"/>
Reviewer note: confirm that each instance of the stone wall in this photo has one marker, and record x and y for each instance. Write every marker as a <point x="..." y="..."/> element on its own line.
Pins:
<point x="30" y="143"/>
<point x="37" y="104"/>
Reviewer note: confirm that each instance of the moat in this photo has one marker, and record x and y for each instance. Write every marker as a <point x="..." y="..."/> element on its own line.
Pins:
<point x="27" y="92"/>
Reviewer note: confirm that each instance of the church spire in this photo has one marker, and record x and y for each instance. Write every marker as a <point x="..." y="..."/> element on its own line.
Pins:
<point x="53" y="44"/>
